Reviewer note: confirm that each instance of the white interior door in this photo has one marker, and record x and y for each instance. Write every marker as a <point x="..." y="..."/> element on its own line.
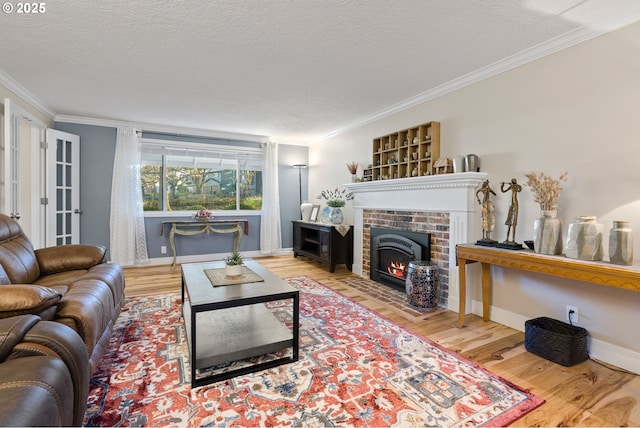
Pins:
<point x="10" y="154"/>
<point x="63" y="188"/>
<point x="22" y="170"/>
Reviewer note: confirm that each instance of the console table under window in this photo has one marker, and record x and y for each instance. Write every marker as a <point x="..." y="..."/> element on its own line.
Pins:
<point x="196" y="227"/>
<point x="603" y="273"/>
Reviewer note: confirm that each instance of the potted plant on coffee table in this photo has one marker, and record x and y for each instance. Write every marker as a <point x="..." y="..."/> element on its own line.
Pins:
<point x="233" y="265"/>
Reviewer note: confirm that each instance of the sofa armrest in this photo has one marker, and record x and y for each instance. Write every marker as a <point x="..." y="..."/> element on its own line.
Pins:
<point x="36" y="392"/>
<point x="21" y="299"/>
<point x="28" y="336"/>
<point x="12" y="330"/>
<point x="69" y="347"/>
<point x="69" y="257"/>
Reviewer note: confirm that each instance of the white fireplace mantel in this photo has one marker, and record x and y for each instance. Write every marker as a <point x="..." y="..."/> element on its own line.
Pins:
<point x="451" y="193"/>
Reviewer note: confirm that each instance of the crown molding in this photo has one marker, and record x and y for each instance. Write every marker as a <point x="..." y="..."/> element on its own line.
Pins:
<point x="12" y="85"/>
<point x="152" y="127"/>
<point x="538" y="51"/>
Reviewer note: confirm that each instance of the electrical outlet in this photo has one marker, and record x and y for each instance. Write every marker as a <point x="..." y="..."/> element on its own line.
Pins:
<point x="163" y="249"/>
<point x="572" y="314"/>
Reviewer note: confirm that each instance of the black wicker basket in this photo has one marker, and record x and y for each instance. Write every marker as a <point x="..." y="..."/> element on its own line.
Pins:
<point x="556" y="341"/>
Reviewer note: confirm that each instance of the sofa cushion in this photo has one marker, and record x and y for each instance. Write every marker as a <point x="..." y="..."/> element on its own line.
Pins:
<point x="64" y="258"/>
<point x="21" y="299"/>
<point x="87" y="308"/>
<point x="61" y="278"/>
<point x="16" y="254"/>
<point x="109" y="273"/>
<point x="4" y="278"/>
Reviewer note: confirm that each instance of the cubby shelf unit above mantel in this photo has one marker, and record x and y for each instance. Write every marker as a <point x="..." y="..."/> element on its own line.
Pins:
<point x="407" y="153"/>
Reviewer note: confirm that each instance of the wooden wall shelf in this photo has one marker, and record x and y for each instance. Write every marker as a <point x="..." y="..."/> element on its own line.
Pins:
<point x="407" y="153"/>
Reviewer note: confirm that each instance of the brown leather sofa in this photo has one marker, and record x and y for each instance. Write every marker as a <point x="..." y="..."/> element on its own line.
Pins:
<point x="44" y="373"/>
<point x="69" y="284"/>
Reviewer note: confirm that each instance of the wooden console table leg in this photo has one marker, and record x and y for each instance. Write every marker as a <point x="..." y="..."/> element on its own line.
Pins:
<point x="172" y="235"/>
<point x="486" y="290"/>
<point x="238" y="237"/>
<point x="462" y="305"/>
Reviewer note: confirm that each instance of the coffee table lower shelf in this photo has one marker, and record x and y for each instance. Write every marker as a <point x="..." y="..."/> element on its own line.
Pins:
<point x="234" y="334"/>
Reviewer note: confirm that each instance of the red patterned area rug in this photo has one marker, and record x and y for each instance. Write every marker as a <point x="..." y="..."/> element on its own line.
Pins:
<point x="355" y="369"/>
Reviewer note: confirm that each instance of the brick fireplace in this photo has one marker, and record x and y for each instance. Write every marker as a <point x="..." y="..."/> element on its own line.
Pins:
<point x="434" y="223"/>
<point x="442" y="205"/>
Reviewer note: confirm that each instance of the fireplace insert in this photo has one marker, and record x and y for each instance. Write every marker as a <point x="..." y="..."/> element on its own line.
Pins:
<point x="392" y="250"/>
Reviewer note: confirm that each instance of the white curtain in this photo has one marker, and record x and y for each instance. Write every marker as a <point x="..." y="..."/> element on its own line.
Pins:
<point x="270" y="230"/>
<point x="128" y="241"/>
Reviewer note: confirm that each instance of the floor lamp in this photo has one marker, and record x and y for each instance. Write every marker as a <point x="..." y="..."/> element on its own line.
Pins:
<point x="300" y="167"/>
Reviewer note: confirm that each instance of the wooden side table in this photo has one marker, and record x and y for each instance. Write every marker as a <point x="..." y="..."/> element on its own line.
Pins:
<point x="603" y="273"/>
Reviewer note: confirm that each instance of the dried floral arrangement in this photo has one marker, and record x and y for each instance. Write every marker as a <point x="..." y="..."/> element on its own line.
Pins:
<point x="352" y="167"/>
<point x="336" y="198"/>
<point x="545" y="189"/>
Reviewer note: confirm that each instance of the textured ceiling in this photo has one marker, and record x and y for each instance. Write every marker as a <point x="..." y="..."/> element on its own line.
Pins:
<point x="293" y="70"/>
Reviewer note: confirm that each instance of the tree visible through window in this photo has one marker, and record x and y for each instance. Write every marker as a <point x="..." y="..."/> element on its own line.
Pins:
<point x="195" y="180"/>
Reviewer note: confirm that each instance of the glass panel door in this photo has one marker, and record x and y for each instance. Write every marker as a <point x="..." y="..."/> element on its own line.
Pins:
<point x="63" y="155"/>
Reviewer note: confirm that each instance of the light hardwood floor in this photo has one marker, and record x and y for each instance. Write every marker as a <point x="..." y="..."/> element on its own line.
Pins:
<point x="588" y="394"/>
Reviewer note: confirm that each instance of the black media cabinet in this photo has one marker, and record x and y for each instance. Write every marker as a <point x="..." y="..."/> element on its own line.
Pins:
<point x="322" y="242"/>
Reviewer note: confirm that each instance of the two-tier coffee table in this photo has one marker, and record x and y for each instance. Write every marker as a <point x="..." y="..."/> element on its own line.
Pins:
<point x="229" y="323"/>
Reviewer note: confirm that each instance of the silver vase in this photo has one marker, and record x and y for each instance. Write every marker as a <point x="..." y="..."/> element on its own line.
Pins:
<point x="621" y="244"/>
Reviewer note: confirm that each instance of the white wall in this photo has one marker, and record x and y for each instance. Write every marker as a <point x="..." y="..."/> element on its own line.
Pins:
<point x="577" y="110"/>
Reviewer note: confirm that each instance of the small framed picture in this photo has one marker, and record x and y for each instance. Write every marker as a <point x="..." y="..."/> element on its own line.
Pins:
<point x="314" y="212"/>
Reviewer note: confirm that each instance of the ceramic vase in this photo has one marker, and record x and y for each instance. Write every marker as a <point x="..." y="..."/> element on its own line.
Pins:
<point x="305" y="210"/>
<point x="547" y="233"/>
<point x="584" y="239"/>
<point x="233" y="271"/>
<point x="422" y="284"/>
<point x="336" y="216"/>
<point x="621" y="244"/>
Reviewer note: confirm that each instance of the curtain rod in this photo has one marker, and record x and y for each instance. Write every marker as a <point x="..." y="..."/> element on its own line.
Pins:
<point x="199" y="137"/>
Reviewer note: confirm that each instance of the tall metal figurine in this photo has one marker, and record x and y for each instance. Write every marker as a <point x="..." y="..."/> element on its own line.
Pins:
<point x="488" y="217"/>
<point x="512" y="216"/>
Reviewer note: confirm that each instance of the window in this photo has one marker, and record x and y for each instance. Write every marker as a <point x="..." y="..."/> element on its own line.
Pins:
<point x="188" y="177"/>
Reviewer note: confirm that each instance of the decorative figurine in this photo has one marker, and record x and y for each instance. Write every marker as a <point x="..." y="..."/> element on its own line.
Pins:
<point x="488" y="217"/>
<point x="512" y="216"/>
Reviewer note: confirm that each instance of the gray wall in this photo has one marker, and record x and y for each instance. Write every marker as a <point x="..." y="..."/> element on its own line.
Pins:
<point x="158" y="235"/>
<point x="97" y="151"/>
<point x="288" y="180"/>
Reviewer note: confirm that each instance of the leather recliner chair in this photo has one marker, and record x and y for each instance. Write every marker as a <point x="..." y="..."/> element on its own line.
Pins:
<point x="69" y="284"/>
<point x="44" y="373"/>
